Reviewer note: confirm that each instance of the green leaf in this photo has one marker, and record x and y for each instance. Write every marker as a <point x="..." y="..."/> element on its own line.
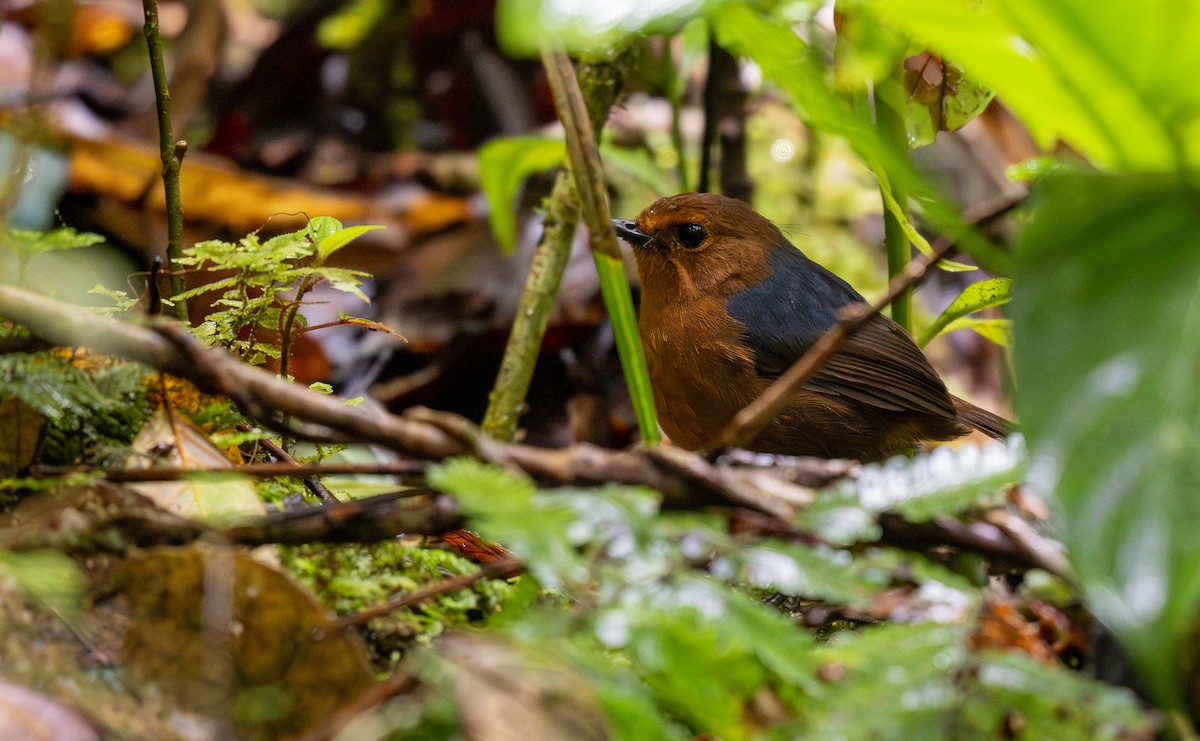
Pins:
<point x="618" y="302"/>
<point x="524" y="26"/>
<point x="901" y="682"/>
<point x="975" y="297"/>
<point x="344" y="280"/>
<point x="944" y="481"/>
<point x="940" y="97"/>
<point x="26" y="243"/>
<point x="1051" y="702"/>
<point x="48" y="576"/>
<point x="996" y="330"/>
<point x="504" y="166"/>
<point x="1107" y="77"/>
<point x="340" y="238"/>
<point x="319" y="228"/>
<point x="1107" y="325"/>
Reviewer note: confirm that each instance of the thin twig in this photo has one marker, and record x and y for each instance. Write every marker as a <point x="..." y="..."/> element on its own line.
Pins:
<point x="311" y="481"/>
<point x="409" y="473"/>
<point x="493" y="570"/>
<point x="754" y="418"/>
<point x="400" y="682"/>
<point x="170" y="150"/>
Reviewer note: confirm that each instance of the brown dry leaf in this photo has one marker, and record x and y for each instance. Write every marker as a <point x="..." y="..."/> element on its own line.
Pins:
<point x="507" y="694"/>
<point x="1002" y="626"/>
<point x="20" y="431"/>
<point x="220" y="193"/>
<point x="177" y="441"/>
<point x="229" y="636"/>
<point x="213" y="190"/>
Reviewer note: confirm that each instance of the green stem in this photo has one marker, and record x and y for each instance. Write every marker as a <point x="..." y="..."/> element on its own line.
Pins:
<point x="171" y="152"/>
<point x="674" y="87"/>
<point x="533" y="313"/>
<point x="889" y="119"/>
<point x="583" y="160"/>
<point x="602" y="82"/>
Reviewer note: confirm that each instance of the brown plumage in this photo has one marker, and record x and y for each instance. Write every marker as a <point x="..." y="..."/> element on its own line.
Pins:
<point x="728" y="304"/>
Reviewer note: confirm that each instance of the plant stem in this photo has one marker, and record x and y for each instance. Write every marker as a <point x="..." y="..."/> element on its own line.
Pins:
<point x="583" y="160"/>
<point x="889" y="119"/>
<point x="602" y="82"/>
<point x="171" y="152"/>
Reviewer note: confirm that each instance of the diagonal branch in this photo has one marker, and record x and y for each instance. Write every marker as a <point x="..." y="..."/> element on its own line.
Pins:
<point x="758" y="414"/>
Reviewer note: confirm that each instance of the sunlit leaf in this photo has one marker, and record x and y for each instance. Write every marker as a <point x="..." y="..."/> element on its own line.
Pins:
<point x="342" y="237"/>
<point x="524" y="26"/>
<point x="1094" y="75"/>
<point x="214" y="500"/>
<point x="1107" y="324"/>
<point x="996" y="330"/>
<point x="975" y="297"/>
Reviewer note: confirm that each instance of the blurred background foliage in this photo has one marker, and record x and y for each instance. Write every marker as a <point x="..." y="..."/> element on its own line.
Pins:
<point x="1056" y="143"/>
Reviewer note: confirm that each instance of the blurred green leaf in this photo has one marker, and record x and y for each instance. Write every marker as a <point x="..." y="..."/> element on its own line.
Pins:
<point x="943" y="481"/>
<point x="25" y="244"/>
<point x="1047" y="702"/>
<point x="975" y="297"/>
<point x="524" y="26"/>
<point x="1107" y="323"/>
<point x="502" y="507"/>
<point x="1108" y="77"/>
<point x="48" y="576"/>
<point x="504" y="166"/>
<point x="907" y="682"/>
<point x="344" y="29"/>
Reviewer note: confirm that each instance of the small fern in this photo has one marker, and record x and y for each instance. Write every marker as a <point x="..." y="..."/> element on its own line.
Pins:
<point x="264" y="285"/>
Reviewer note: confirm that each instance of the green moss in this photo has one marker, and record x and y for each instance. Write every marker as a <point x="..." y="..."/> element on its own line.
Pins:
<point x="348" y="578"/>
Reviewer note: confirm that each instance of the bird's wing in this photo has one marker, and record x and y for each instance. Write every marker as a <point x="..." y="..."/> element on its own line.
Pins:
<point x="879" y="365"/>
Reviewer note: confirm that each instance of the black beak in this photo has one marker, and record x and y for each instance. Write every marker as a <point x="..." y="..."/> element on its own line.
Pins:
<point x="628" y="231"/>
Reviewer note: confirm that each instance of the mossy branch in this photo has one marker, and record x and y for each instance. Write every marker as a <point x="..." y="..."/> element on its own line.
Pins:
<point x="602" y="82"/>
<point x="583" y="160"/>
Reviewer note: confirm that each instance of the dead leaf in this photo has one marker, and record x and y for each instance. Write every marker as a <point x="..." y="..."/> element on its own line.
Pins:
<point x="505" y="693"/>
<point x="226" y="634"/>
<point x="176" y="441"/>
<point x="20" y="431"/>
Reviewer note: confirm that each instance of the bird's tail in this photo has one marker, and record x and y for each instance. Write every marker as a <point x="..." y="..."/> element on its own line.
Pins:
<point x="989" y="424"/>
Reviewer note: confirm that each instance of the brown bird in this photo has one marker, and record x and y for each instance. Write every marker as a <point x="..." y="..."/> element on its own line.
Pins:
<point x="728" y="304"/>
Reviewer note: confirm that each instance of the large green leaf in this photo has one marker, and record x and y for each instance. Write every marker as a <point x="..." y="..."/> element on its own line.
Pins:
<point x="1113" y="78"/>
<point x="524" y="26"/>
<point x="1107" y="327"/>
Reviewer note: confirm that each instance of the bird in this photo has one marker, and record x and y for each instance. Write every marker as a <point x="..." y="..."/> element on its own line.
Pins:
<point x="728" y="304"/>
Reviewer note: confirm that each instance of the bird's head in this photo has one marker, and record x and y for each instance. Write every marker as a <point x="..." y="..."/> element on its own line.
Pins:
<point x="699" y="241"/>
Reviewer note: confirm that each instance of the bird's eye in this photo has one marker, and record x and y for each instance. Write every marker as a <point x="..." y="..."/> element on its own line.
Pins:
<point x="692" y="235"/>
